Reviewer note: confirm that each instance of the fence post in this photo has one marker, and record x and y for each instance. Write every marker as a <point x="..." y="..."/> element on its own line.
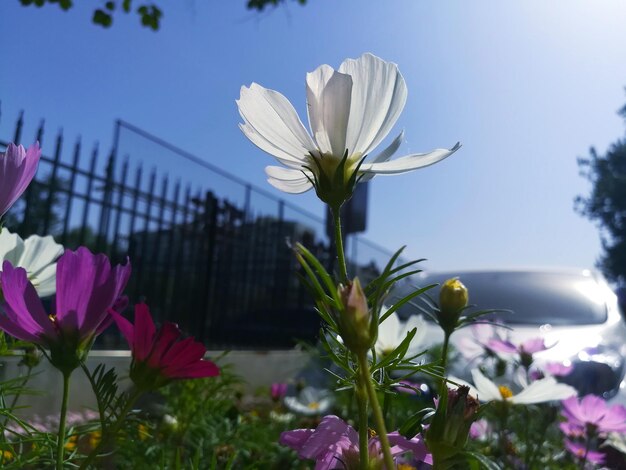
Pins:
<point x="52" y="183"/>
<point x="18" y="129"/>
<point x="107" y="194"/>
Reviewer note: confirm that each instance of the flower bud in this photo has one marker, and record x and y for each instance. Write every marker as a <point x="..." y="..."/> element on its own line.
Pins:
<point x="448" y="433"/>
<point x="354" y="318"/>
<point x="453" y="297"/>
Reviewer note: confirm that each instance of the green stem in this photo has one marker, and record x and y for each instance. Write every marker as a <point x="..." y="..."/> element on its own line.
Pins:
<point x="341" y="258"/>
<point x="62" y="419"/>
<point x="444" y="352"/>
<point x="444" y="362"/>
<point x="376" y="411"/>
<point x="112" y="431"/>
<point x="361" y="399"/>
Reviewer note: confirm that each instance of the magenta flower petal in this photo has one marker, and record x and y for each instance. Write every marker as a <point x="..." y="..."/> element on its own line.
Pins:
<point x="165" y="338"/>
<point x="125" y="327"/>
<point x="499" y="345"/>
<point x="161" y="356"/>
<point x="593" y="410"/>
<point x="83" y="300"/>
<point x="196" y="370"/>
<point x="85" y="293"/>
<point x="533" y="346"/>
<point x="17" y="169"/>
<point x="401" y="444"/>
<point x="579" y="451"/>
<point x="295" y="439"/>
<point x="144" y="332"/>
<point x="25" y="308"/>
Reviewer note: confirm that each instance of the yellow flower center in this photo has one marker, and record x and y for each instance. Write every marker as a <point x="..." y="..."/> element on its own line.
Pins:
<point x="52" y="318"/>
<point x="505" y="391"/>
<point x="372" y="433"/>
<point x="314" y="405"/>
<point x="406" y="466"/>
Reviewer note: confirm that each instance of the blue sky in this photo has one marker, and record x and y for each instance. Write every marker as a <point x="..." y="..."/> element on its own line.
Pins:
<point x="525" y="86"/>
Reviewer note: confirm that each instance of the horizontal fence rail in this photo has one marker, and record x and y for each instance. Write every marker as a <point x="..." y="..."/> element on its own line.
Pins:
<point x="214" y="259"/>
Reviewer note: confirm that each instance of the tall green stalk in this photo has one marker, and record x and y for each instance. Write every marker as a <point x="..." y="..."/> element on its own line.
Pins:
<point x="361" y="399"/>
<point x="62" y="419"/>
<point x="341" y="257"/>
<point x="381" y="430"/>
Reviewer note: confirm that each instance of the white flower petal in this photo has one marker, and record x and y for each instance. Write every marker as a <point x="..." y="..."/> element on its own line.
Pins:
<point x="417" y="322"/>
<point x="409" y="162"/>
<point x="45" y="283"/>
<point x="292" y="187"/>
<point x="487" y="390"/>
<point x="11" y="247"/>
<point x="328" y="97"/>
<point x="378" y="97"/>
<point x="388" y="332"/>
<point x="39" y="253"/>
<point x="384" y="155"/>
<point x="472" y="390"/>
<point x="266" y="146"/>
<point x="543" y="390"/>
<point x="270" y="118"/>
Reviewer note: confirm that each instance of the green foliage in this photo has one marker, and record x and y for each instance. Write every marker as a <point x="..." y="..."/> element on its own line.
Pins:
<point x="606" y="204"/>
<point x="149" y="13"/>
<point x="204" y="424"/>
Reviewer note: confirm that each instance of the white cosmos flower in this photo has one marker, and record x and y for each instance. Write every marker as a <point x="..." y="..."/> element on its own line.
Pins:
<point x="539" y="391"/>
<point x="391" y="332"/>
<point x="351" y="110"/>
<point x="37" y="255"/>
<point x="310" y="401"/>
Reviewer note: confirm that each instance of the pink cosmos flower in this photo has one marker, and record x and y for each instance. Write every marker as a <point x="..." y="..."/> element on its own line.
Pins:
<point x="87" y="288"/>
<point x="530" y="346"/>
<point x="278" y="391"/>
<point x="335" y="445"/>
<point x="579" y="451"/>
<point x="559" y="369"/>
<point x="594" y="411"/>
<point x="160" y="356"/>
<point x="17" y="169"/>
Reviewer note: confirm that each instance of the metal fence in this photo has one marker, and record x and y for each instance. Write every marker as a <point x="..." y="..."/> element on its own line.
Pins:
<point x="217" y="264"/>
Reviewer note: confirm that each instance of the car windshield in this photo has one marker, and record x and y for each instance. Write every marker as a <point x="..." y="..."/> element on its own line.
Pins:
<point x="536" y="298"/>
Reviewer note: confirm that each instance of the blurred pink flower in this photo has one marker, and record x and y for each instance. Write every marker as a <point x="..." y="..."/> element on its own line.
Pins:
<point x="278" y="391"/>
<point x="17" y="169"/>
<point x="580" y="451"/>
<point x="530" y="346"/>
<point x="558" y="369"/>
<point x="335" y="445"/>
<point x="594" y="411"/>
<point x="161" y="356"/>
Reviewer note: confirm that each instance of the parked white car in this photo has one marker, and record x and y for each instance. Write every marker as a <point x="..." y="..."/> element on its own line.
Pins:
<point x="574" y="311"/>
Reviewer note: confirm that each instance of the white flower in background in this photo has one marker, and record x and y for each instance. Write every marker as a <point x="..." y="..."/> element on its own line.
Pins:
<point x="617" y="441"/>
<point x="539" y="391"/>
<point x="310" y="401"/>
<point x="391" y="332"/>
<point x="37" y="255"/>
<point x="350" y="110"/>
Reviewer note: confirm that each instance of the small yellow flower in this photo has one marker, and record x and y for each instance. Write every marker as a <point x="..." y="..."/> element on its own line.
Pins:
<point x="7" y="456"/>
<point x="94" y="438"/>
<point x="143" y="431"/>
<point x="71" y="443"/>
